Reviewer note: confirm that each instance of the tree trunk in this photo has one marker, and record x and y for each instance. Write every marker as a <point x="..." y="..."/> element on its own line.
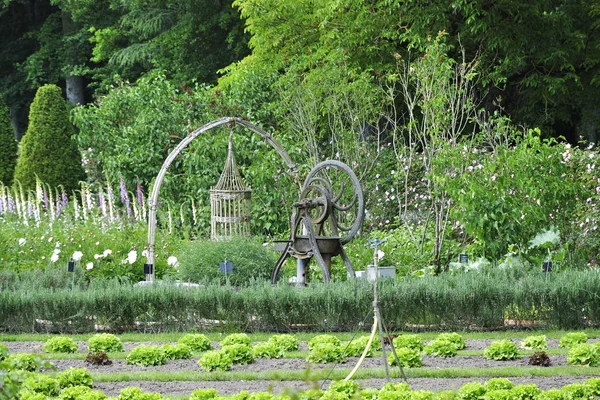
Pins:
<point x="16" y="121"/>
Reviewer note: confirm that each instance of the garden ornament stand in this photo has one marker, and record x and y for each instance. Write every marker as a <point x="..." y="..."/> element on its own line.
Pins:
<point x="328" y="214"/>
<point x="153" y="201"/>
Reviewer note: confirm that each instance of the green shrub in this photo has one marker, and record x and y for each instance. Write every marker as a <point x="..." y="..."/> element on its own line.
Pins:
<point x="216" y="360"/>
<point x="8" y="146"/>
<point x="75" y="377"/>
<point x="239" y="353"/>
<point x="357" y="347"/>
<point x="44" y="384"/>
<point x="534" y="343"/>
<point x="285" y="341"/>
<point x="236" y="338"/>
<point x="81" y="393"/>
<point x="204" y="394"/>
<point x="498" y="383"/>
<point x="147" y="355"/>
<point x="414" y="342"/>
<point x="501" y="350"/>
<point x="135" y="393"/>
<point x="177" y="351"/>
<point x="341" y="390"/>
<point x="267" y="350"/>
<point x="60" y="344"/>
<point x="47" y="149"/>
<point x="320" y="339"/>
<point x="572" y="338"/>
<point x="441" y="348"/>
<point x="251" y="261"/>
<point x="526" y="392"/>
<point x="3" y="352"/>
<point x="453" y="337"/>
<point x="23" y="362"/>
<point x="196" y="341"/>
<point x="408" y="358"/>
<point x="325" y="352"/>
<point x="471" y="391"/>
<point x="584" y="354"/>
<point x="105" y="342"/>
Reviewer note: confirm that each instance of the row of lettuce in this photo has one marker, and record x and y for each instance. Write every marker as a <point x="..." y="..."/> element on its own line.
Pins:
<point x="238" y="348"/>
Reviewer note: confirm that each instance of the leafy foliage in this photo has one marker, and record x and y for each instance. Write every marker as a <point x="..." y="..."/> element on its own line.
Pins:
<point x="75" y="377"/>
<point x="203" y="394"/>
<point x="540" y="358"/>
<point x="321" y="339"/>
<point x="453" y="337"/>
<point x="99" y="358"/>
<point x="81" y="393"/>
<point x="196" y="341"/>
<point x="236" y="338"/>
<point x="147" y="355"/>
<point x="471" y="391"/>
<point x="498" y="383"/>
<point x="60" y="345"/>
<point x="267" y="350"/>
<point x="325" y="352"/>
<point x="584" y="354"/>
<point x="8" y="147"/>
<point x="572" y="339"/>
<point x="409" y="358"/>
<point x="441" y="348"/>
<point x="43" y="384"/>
<point x="285" y="341"/>
<point x="356" y="347"/>
<point x="216" y="360"/>
<point x="341" y="390"/>
<point x="179" y="351"/>
<point x="501" y="350"/>
<point x="239" y="353"/>
<point x="23" y="362"/>
<point x="3" y="352"/>
<point x="135" y="393"/>
<point x="414" y="342"/>
<point x="534" y="342"/>
<point x="106" y="342"/>
<point x="47" y="150"/>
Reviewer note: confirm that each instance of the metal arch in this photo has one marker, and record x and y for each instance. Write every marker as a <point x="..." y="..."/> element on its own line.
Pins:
<point x="153" y="202"/>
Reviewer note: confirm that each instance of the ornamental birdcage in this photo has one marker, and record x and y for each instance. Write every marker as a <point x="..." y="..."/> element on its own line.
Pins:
<point x="230" y="202"/>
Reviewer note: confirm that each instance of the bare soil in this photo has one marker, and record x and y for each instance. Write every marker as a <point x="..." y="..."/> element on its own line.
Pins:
<point x="286" y="364"/>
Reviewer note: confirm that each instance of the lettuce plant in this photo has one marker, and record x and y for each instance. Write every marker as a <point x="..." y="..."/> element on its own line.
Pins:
<point x="441" y="348"/>
<point x="204" y="394"/>
<point x="196" y="342"/>
<point x="44" y="384"/>
<point x="285" y="341"/>
<point x="453" y="337"/>
<point x="60" y="344"/>
<point x="135" y="393"/>
<point x="409" y="358"/>
<point x="267" y="350"/>
<point x="216" y="360"/>
<point x="534" y="343"/>
<point x="23" y="362"/>
<point x="471" y="391"/>
<point x="526" y="391"/>
<point x="106" y="342"/>
<point x="177" y="351"/>
<point x="501" y="350"/>
<point x="572" y="338"/>
<point x="414" y="342"/>
<point x="326" y="353"/>
<point x="147" y="355"/>
<point x="540" y="358"/>
<point x="239" y="353"/>
<point x="321" y="339"/>
<point x="81" y="393"/>
<point x="236" y="338"/>
<point x="584" y="354"/>
<point x="75" y="377"/>
<point x="341" y="390"/>
<point x="357" y="347"/>
<point x="498" y="383"/>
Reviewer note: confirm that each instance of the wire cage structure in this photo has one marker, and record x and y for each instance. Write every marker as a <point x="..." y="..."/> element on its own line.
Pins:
<point x="230" y="202"/>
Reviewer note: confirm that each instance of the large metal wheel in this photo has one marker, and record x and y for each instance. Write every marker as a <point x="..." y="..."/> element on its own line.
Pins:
<point x="346" y="197"/>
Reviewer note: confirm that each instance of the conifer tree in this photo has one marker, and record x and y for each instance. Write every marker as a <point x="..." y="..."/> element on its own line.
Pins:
<point x="8" y="147"/>
<point x="47" y="150"/>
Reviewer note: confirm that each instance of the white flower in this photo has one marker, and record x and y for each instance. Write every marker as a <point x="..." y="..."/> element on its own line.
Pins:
<point x="145" y="253"/>
<point x="77" y="256"/>
<point x="107" y="253"/>
<point x="22" y="241"/>
<point x="97" y="256"/>
<point x="380" y="254"/>
<point x="132" y="256"/>
<point x="97" y="243"/>
<point x="56" y="251"/>
<point x="54" y="257"/>
<point x="89" y="266"/>
<point x="172" y="261"/>
<point x="50" y="239"/>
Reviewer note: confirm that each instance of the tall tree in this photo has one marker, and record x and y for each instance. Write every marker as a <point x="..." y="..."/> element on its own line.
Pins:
<point x="48" y="151"/>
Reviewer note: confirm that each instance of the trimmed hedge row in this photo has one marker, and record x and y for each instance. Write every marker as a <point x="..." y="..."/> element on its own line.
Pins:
<point x="568" y="300"/>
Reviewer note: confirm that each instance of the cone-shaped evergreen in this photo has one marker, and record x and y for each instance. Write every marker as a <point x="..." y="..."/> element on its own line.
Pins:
<point x="47" y="150"/>
<point x="8" y="147"/>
